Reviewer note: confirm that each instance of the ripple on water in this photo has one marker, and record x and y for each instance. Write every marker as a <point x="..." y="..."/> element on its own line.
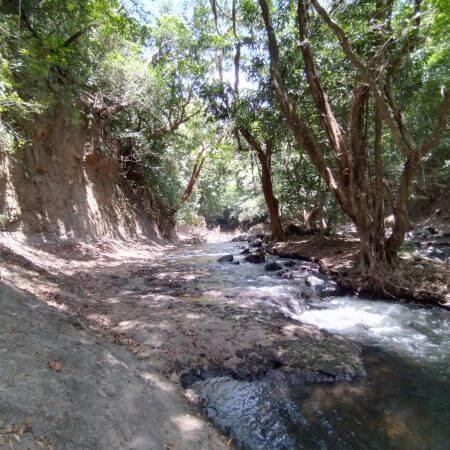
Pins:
<point x="404" y="403"/>
<point x="408" y="330"/>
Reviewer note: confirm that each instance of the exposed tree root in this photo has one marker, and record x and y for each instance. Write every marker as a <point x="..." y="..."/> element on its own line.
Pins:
<point x="425" y="282"/>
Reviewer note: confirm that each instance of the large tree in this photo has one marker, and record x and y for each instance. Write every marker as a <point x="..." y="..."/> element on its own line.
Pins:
<point x="351" y="166"/>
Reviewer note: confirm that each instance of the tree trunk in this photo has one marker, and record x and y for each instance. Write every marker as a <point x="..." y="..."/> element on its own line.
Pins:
<point x="269" y="197"/>
<point x="194" y="175"/>
<point x="265" y="160"/>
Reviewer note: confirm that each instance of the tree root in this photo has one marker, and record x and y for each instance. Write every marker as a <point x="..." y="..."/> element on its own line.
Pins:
<point x="424" y="283"/>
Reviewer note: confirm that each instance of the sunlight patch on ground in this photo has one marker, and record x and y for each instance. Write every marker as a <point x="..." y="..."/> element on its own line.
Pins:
<point x="158" y="381"/>
<point x="188" y="424"/>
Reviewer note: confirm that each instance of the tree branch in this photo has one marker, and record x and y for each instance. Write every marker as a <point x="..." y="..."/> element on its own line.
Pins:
<point x="405" y="146"/>
<point x="68" y="42"/>
<point x="440" y="126"/>
<point x="327" y="117"/>
<point x="27" y="23"/>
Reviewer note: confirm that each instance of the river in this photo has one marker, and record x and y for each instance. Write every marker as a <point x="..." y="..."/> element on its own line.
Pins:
<point x="403" y="403"/>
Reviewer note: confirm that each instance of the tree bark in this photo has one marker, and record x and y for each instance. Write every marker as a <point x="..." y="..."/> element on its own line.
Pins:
<point x="265" y="160"/>
<point x="194" y="175"/>
<point x="269" y="196"/>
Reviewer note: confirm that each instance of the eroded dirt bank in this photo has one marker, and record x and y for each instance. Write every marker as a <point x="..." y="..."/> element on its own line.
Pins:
<point x="181" y="317"/>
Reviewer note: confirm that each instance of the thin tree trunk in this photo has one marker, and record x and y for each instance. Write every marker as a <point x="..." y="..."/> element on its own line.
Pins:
<point x="265" y="160"/>
<point x="237" y="53"/>
<point x="219" y="51"/>
<point x="269" y="197"/>
<point x="194" y="175"/>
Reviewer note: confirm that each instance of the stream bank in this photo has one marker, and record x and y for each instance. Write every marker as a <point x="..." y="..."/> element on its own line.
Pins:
<point x="422" y="275"/>
<point x="272" y="360"/>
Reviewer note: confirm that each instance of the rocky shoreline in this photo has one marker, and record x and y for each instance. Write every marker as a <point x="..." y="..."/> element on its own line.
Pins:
<point x="183" y="318"/>
<point x="422" y="275"/>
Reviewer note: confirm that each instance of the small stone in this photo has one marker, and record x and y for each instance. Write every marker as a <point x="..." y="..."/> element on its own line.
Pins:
<point x="256" y="243"/>
<point x="255" y="258"/>
<point x="174" y="377"/>
<point x="290" y="264"/>
<point x="225" y="258"/>
<point x="272" y="267"/>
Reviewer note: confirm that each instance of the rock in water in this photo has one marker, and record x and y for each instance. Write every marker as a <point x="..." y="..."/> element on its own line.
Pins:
<point x="226" y="258"/>
<point x="255" y="258"/>
<point x="286" y="274"/>
<point x="246" y="251"/>
<point x="240" y="237"/>
<point x="256" y="243"/>
<point x="273" y="266"/>
<point x="314" y="281"/>
<point x="290" y="264"/>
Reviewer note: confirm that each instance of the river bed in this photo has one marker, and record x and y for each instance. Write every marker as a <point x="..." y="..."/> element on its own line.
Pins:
<point x="403" y="403"/>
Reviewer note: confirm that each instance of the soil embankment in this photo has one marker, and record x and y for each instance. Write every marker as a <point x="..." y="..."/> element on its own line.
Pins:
<point x="64" y="386"/>
<point x="68" y="182"/>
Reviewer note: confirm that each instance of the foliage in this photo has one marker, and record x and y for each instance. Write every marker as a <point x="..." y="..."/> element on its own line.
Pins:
<point x="152" y="84"/>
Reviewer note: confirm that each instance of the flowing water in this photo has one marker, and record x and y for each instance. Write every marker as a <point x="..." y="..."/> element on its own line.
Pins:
<point x="403" y="403"/>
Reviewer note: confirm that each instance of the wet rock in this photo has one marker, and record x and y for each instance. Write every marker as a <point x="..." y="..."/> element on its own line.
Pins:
<point x="225" y="258"/>
<point x="286" y="274"/>
<point x="432" y="230"/>
<point x="331" y="289"/>
<point x="255" y="258"/>
<point x="290" y="264"/>
<point x="246" y="251"/>
<point x="273" y="266"/>
<point x="256" y="243"/>
<point x="240" y="238"/>
<point x="314" y="281"/>
<point x="235" y="263"/>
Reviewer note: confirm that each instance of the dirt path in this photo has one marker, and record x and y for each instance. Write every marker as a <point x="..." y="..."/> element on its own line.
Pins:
<point x="64" y="387"/>
<point x="175" y="315"/>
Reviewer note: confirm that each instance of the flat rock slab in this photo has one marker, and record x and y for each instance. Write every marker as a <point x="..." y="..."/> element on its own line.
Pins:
<point x="204" y="333"/>
<point x="63" y="387"/>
